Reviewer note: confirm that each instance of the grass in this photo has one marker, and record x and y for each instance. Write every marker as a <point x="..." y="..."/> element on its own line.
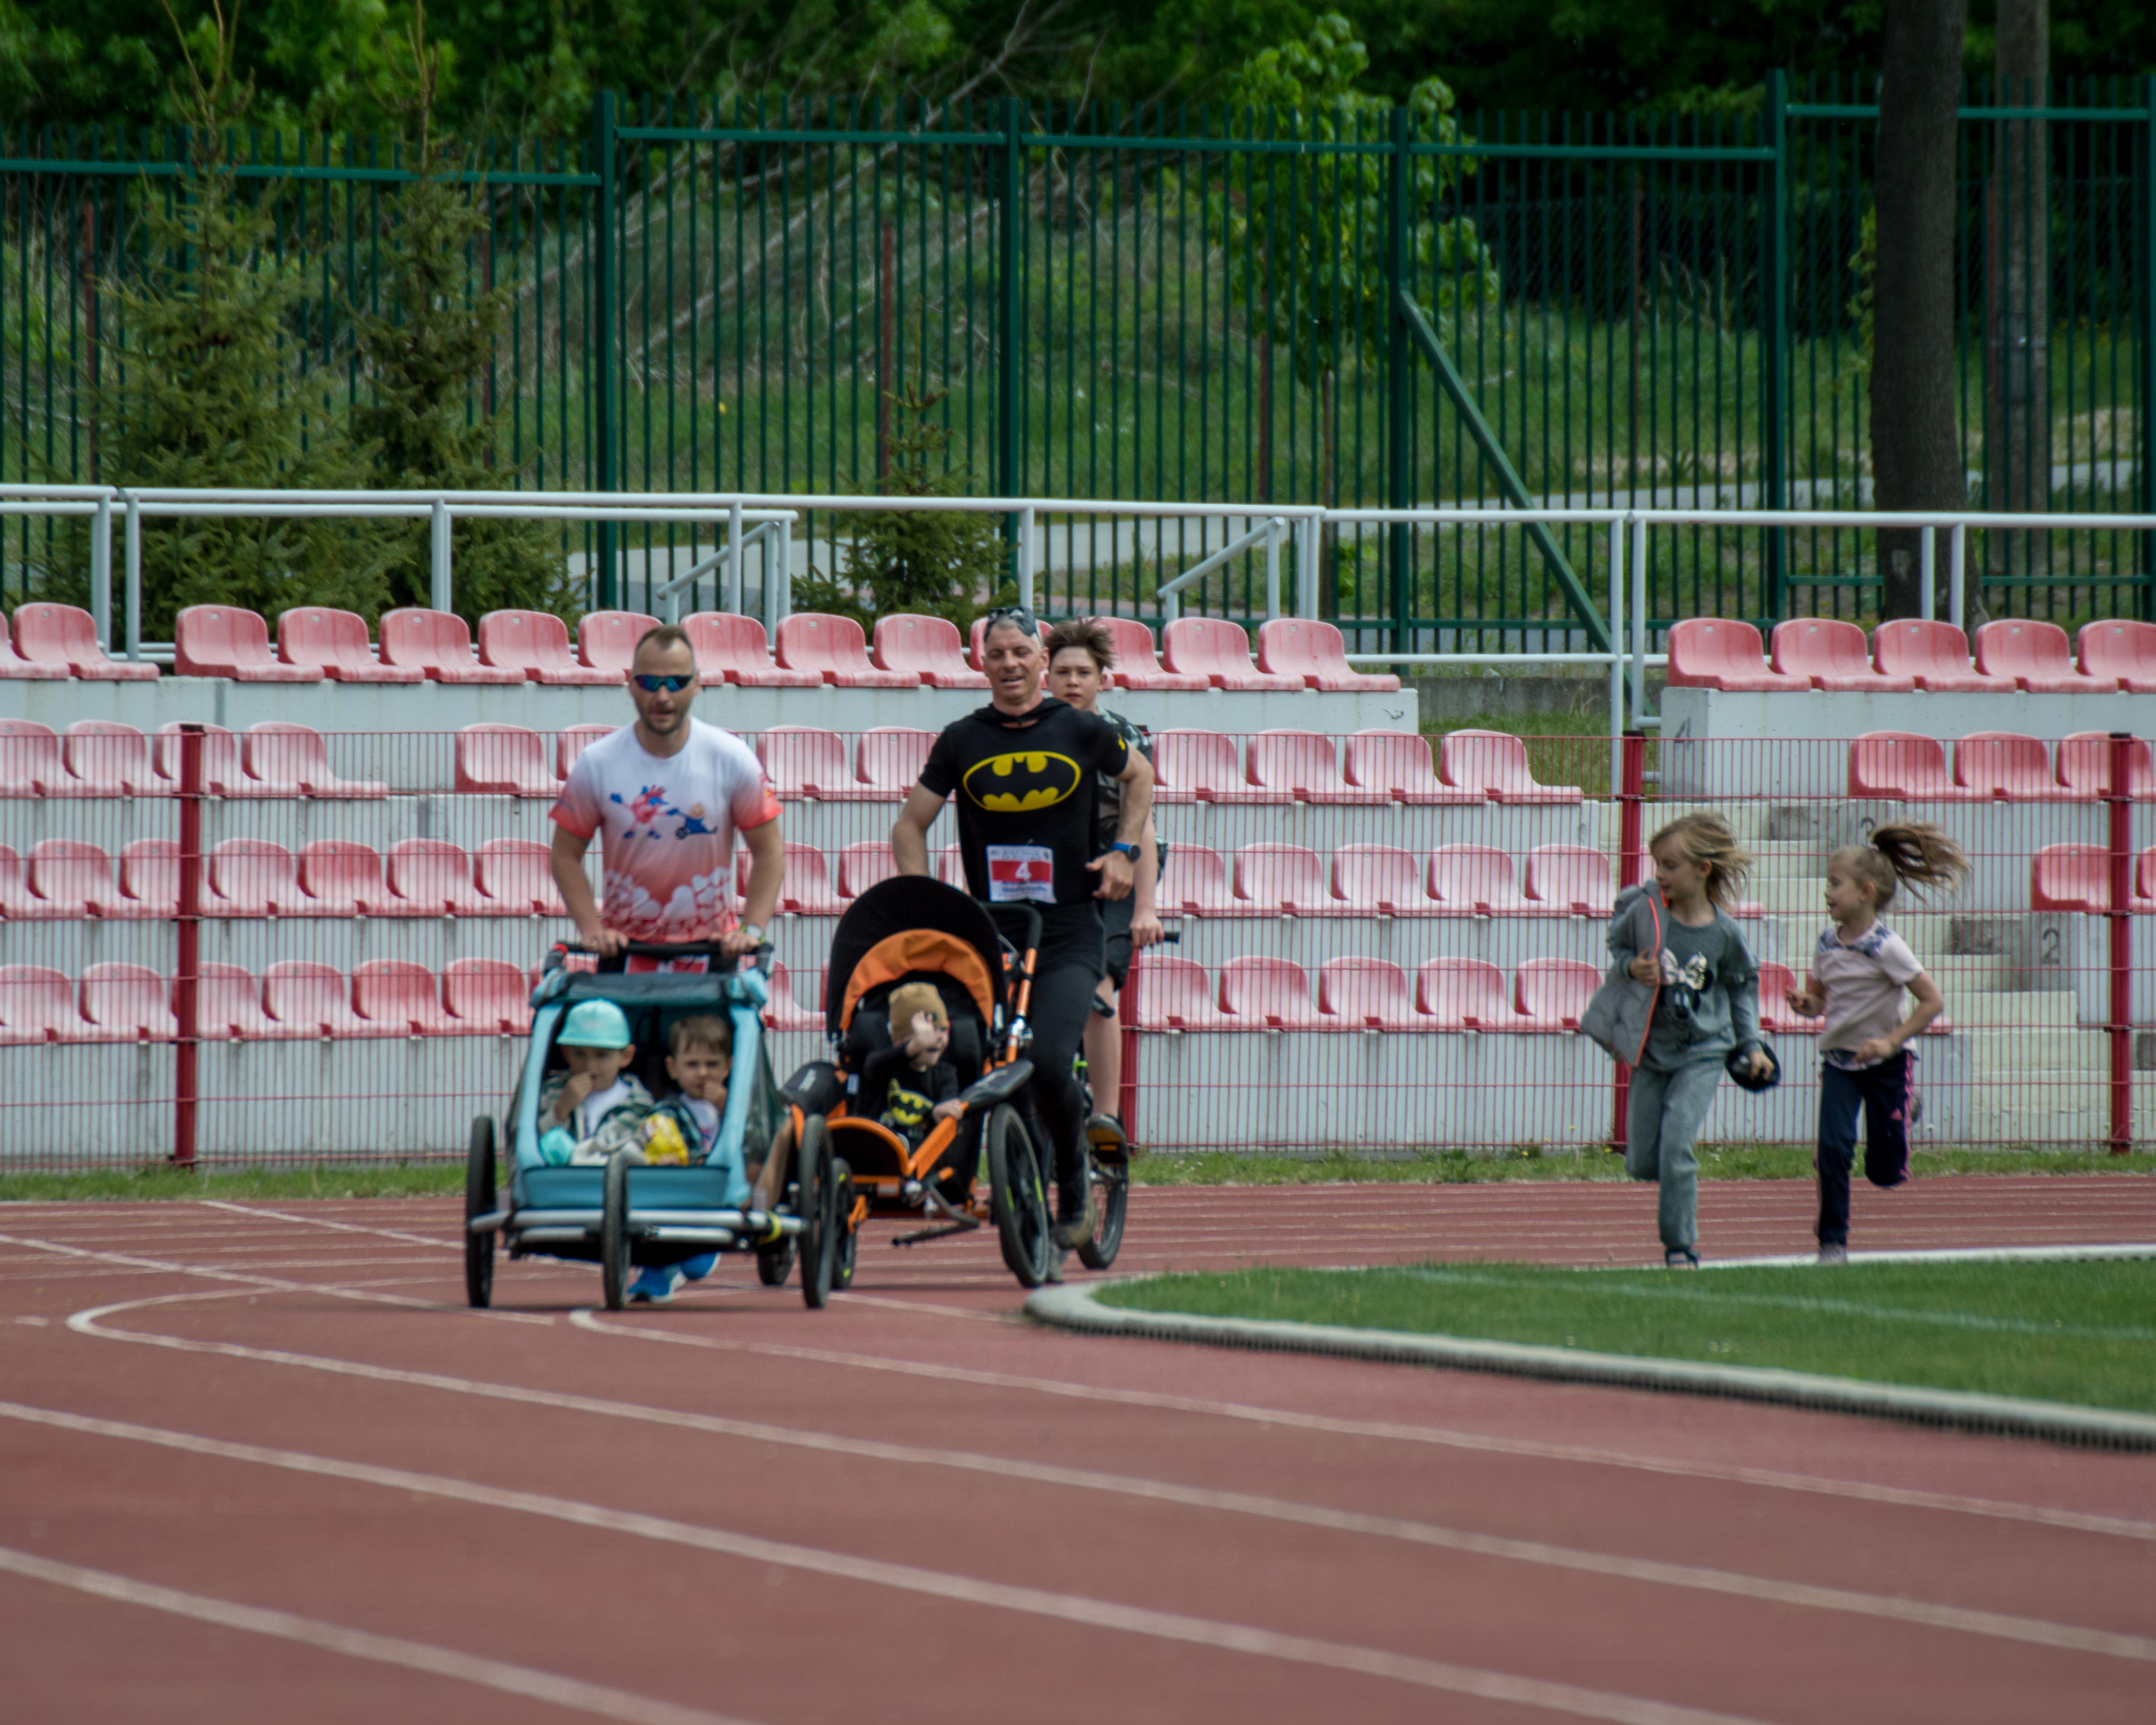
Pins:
<point x="2078" y="1332"/>
<point x="423" y="1179"/>
<point x="1734" y="1161"/>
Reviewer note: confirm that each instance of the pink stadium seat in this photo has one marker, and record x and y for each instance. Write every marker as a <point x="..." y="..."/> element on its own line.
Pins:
<point x="32" y="763"/>
<point x="572" y="740"/>
<point x="1220" y="652"/>
<point x="1570" y="877"/>
<point x="1899" y="764"/>
<point x="401" y="997"/>
<point x="431" y="877"/>
<point x="229" y="1006"/>
<point x="801" y="761"/>
<point x="1936" y="655"/>
<point x="1317" y="653"/>
<point x="1478" y="877"/>
<point x="294" y="759"/>
<point x="226" y="641"/>
<point x="503" y="760"/>
<point x="1272" y="994"/>
<point x="2070" y="877"/>
<point x="18" y="904"/>
<point x="336" y="641"/>
<point x="342" y="878"/>
<point x="63" y="635"/>
<point x="149" y="880"/>
<point x="128" y="1003"/>
<point x="1201" y="766"/>
<point x="37" y="1005"/>
<point x="111" y="760"/>
<point x="787" y="1012"/>
<point x="1368" y="994"/>
<point x="1397" y="762"/>
<point x="807" y="889"/>
<point x="536" y="645"/>
<point x="927" y="647"/>
<point x="1196" y="884"/>
<point x="2036" y="656"/>
<point x="836" y="650"/>
<point x="305" y="999"/>
<point x="892" y="758"/>
<point x="863" y="863"/>
<point x="485" y="997"/>
<point x="515" y="877"/>
<point x="1719" y="653"/>
<point x="2144" y="901"/>
<point x="2114" y="648"/>
<point x="951" y="868"/>
<point x="1136" y="666"/>
<point x="606" y="640"/>
<point x="2085" y="767"/>
<point x="1835" y="656"/>
<point x="222" y="773"/>
<point x="1288" y="880"/>
<point x="1494" y="763"/>
<point x="1777" y="982"/>
<point x="1386" y="879"/>
<point x="2000" y="765"/>
<point x="1465" y="994"/>
<point x="1553" y="992"/>
<point x="75" y="878"/>
<point x="1176" y="994"/>
<point x="731" y="649"/>
<point x="437" y="644"/>
<point x="253" y="877"/>
<point x="14" y="668"/>
<point x="1300" y="764"/>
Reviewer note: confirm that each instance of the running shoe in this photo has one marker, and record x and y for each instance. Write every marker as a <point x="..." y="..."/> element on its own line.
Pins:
<point x="1681" y="1260"/>
<point x="1071" y="1235"/>
<point x="1053" y="1276"/>
<point x="699" y="1266"/>
<point x="655" y="1287"/>
<point x="1833" y="1254"/>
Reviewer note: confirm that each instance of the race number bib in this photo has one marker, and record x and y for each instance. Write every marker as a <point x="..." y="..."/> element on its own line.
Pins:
<point x="1021" y="872"/>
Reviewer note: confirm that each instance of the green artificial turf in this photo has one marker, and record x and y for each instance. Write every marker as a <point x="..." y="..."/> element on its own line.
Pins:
<point x="2069" y="1332"/>
<point x="1734" y="1162"/>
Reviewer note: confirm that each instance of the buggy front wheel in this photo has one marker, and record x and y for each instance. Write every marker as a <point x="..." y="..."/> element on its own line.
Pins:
<point x="1109" y="1196"/>
<point x="478" y="1201"/>
<point x="819" y="1213"/>
<point x="614" y="1233"/>
<point x="847" y="1237"/>
<point x="1017" y="1197"/>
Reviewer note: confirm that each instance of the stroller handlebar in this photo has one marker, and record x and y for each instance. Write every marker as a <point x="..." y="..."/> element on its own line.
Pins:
<point x="759" y="956"/>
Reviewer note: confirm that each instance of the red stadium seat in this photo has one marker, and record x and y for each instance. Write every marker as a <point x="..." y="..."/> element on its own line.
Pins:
<point x="786" y="1011"/>
<point x="1464" y="994"/>
<point x="892" y="758"/>
<point x="1300" y="764"/>
<point x="1220" y="652"/>
<point x="431" y="877"/>
<point x="1479" y="878"/>
<point x="76" y="879"/>
<point x="1720" y="653"/>
<point x="731" y="649"/>
<point x="1494" y="764"/>
<point x="437" y="644"/>
<point x="149" y="880"/>
<point x="111" y="760"/>
<point x="401" y="997"/>
<point x="343" y="878"/>
<point x="927" y="647"/>
<point x="128" y="1003"/>
<point x="37" y="1004"/>
<point x="571" y="740"/>
<point x="229" y="1006"/>
<point x="1176" y="994"/>
<point x="606" y="640"/>
<point x="1553" y="992"/>
<point x="14" y="668"/>
<point x="503" y="760"/>
<point x="1997" y="765"/>
<point x="536" y="645"/>
<point x="32" y="763"/>
<point x="515" y="877"/>
<point x="1288" y="880"/>
<point x="1386" y="879"/>
<point x="1936" y="655"/>
<point x="1317" y="653"/>
<point x="62" y="635"/>
<point x="1135" y="666"/>
<point x="2070" y="877"/>
<point x="1570" y="877"/>
<point x="226" y="641"/>
<point x="1835" y="656"/>
<point x="2036" y="656"/>
<point x="1900" y="763"/>
<point x="1777" y="982"/>
<point x="2085" y="767"/>
<point x="485" y="997"/>
<point x="807" y="891"/>
<point x="835" y="649"/>
<point x="1368" y="994"/>
<point x="253" y="877"/>
<point x="2144" y="901"/>
<point x="305" y="999"/>
<point x="222" y="773"/>
<point x="17" y="903"/>
<point x="801" y="761"/>
<point x="1272" y="994"/>
<point x="279" y="756"/>
<point x="1397" y="762"/>
<point x="863" y="863"/>
<point x="1201" y="766"/>
<point x="336" y="641"/>
<point x="2113" y="647"/>
<point x="1196" y="884"/>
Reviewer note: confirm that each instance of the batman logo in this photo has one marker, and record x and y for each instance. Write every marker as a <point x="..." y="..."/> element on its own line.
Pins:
<point x="1012" y="784"/>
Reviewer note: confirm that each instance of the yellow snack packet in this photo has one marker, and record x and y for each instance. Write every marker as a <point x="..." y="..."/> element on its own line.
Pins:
<point x="663" y="1142"/>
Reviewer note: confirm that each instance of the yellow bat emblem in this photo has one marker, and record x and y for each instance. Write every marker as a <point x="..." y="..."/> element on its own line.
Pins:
<point x="1012" y="784"/>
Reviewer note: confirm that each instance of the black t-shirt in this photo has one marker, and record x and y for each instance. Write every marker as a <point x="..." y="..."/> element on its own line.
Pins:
<point x="1026" y="799"/>
<point x="891" y="1084"/>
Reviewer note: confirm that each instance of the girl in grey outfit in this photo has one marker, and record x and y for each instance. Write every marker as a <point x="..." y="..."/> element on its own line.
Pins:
<point x="1682" y="995"/>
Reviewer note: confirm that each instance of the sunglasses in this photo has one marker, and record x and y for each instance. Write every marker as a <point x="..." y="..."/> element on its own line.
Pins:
<point x="1017" y="615"/>
<point x="672" y="685"/>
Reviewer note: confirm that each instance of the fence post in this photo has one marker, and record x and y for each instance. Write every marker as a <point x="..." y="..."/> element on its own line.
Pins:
<point x="601" y="344"/>
<point x="1127" y="1027"/>
<point x="2146" y="280"/>
<point x="100" y="573"/>
<point x="135" y="577"/>
<point x="1774" y="318"/>
<point x="1009" y="308"/>
<point x="186" y="970"/>
<point x="2121" y="942"/>
<point x="1397" y="488"/>
<point x="1629" y="812"/>
<point x="438" y="591"/>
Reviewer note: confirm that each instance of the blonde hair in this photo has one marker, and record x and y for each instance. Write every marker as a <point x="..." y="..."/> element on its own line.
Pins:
<point x="1707" y="843"/>
<point x="1902" y="852"/>
<point x="705" y="1030"/>
<point x="912" y="998"/>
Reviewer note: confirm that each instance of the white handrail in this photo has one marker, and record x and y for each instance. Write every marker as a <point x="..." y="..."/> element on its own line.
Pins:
<point x="1170" y="606"/>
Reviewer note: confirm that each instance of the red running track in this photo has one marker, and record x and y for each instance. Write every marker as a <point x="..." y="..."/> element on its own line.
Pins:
<point x="260" y="1463"/>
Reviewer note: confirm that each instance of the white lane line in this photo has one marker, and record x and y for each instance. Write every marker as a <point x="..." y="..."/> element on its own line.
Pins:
<point x="929" y="1308"/>
<point x="593" y="1698"/>
<point x="2000" y="1625"/>
<point x="934" y="1583"/>
<point x="409" y="1238"/>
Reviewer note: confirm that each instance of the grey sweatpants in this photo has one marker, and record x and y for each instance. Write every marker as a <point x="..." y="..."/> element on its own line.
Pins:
<point x="1662" y="1119"/>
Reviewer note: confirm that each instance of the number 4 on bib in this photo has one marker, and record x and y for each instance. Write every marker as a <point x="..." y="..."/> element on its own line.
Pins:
<point x="1018" y="872"/>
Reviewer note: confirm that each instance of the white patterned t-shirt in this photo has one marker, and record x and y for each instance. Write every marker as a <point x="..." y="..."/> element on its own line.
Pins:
<point x="666" y="828"/>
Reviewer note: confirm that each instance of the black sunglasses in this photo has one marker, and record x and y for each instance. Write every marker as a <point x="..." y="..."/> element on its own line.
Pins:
<point x="1019" y="615"/>
<point x="672" y="685"/>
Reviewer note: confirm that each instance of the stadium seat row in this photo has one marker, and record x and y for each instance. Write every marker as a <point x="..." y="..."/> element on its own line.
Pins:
<point x="1992" y="765"/>
<point x="2077" y="877"/>
<point x="1910" y="653"/>
<point x="96" y="758"/>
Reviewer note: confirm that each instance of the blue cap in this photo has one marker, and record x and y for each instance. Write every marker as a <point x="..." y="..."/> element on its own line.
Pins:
<point x="595" y="1023"/>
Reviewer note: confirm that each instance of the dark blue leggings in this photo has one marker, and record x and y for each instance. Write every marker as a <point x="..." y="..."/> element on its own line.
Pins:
<point x="1882" y="1091"/>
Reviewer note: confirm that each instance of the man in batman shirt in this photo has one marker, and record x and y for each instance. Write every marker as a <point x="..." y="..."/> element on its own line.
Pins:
<point x="1022" y="770"/>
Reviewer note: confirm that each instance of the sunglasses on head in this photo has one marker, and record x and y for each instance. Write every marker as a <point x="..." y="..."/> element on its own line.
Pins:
<point x="1018" y="617"/>
<point x="672" y="685"/>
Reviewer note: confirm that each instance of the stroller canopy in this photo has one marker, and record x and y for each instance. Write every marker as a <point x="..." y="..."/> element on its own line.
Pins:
<point x="908" y="925"/>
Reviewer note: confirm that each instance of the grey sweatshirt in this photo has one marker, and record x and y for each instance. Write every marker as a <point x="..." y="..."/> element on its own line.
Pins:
<point x="1707" y="1004"/>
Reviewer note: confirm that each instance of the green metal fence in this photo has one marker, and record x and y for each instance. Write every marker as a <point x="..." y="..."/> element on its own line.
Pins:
<point x="1241" y="308"/>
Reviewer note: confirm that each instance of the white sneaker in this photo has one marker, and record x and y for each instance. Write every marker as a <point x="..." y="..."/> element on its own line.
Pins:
<point x="1832" y="1255"/>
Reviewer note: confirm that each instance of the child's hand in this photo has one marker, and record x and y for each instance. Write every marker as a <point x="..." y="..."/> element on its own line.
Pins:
<point x="1806" y="1003"/>
<point x="1761" y="1064"/>
<point x="572" y="1095"/>
<point x="946" y="1111"/>
<point x="1877" y="1048"/>
<point x="1645" y="968"/>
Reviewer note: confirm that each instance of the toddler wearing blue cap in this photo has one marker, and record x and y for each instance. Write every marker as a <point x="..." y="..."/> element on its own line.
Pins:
<point x="596" y="1105"/>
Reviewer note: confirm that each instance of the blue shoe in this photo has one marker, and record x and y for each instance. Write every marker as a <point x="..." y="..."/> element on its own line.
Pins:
<point x="699" y="1266"/>
<point x="655" y="1287"/>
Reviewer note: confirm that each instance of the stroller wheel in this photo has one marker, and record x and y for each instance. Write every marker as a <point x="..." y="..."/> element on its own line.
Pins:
<point x="1112" y="1191"/>
<point x="847" y="1239"/>
<point x="774" y="1263"/>
<point x="819" y="1211"/>
<point x="1018" y="1198"/>
<point x="614" y="1233"/>
<point x="478" y="1201"/>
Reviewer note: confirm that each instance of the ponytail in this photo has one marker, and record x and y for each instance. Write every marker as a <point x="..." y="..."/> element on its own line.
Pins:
<point x="1904" y="853"/>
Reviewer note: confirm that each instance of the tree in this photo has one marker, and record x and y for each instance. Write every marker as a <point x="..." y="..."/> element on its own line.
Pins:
<point x="1916" y="453"/>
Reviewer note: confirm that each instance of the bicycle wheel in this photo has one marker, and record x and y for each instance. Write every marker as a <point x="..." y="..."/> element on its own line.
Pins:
<point x="1016" y="1197"/>
<point x="819" y="1211"/>
<point x="849" y="1240"/>
<point x="613" y="1233"/>
<point x="1111" y="1192"/>
<point x="478" y="1201"/>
